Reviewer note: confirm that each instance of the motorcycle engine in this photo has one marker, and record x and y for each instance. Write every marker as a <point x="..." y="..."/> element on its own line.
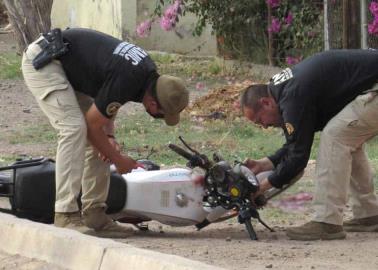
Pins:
<point x="229" y="186"/>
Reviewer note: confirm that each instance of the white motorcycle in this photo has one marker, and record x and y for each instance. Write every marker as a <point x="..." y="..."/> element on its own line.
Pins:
<point x="176" y="197"/>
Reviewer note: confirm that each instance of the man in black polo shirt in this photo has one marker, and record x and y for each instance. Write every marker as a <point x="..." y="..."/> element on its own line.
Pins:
<point x="332" y="91"/>
<point x="80" y="92"/>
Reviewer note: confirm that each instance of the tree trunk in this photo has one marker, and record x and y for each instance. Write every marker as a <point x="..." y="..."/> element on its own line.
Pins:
<point x="3" y="15"/>
<point x="354" y="41"/>
<point x="351" y="24"/>
<point x="29" y="18"/>
<point x="346" y="23"/>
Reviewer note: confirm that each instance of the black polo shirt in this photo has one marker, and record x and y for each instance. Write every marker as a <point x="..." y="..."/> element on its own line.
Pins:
<point x="309" y="95"/>
<point x="111" y="71"/>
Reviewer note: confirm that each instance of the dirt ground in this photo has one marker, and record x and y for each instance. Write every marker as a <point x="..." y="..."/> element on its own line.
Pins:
<point x="12" y="262"/>
<point x="223" y="244"/>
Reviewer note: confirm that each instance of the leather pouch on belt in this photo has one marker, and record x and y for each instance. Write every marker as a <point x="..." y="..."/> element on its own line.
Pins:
<point x="52" y="46"/>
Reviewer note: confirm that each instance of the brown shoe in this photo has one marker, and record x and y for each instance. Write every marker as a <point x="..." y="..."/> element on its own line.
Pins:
<point x="368" y="224"/>
<point x="315" y="231"/>
<point x="70" y="221"/>
<point x="103" y="225"/>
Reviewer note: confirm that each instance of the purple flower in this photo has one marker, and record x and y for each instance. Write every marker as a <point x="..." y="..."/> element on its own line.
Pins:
<point x="373" y="7"/>
<point x="275" y="26"/>
<point x="169" y="19"/>
<point x="373" y="27"/>
<point x="273" y="3"/>
<point x="289" y="18"/>
<point x="171" y="12"/>
<point x="166" y="24"/>
<point x="144" y="29"/>
<point x="291" y="60"/>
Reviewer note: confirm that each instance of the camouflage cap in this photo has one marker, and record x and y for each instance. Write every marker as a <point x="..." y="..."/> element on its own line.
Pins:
<point x="172" y="96"/>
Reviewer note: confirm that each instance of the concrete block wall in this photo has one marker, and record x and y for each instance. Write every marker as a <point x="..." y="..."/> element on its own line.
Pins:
<point x="120" y="18"/>
<point x="102" y="15"/>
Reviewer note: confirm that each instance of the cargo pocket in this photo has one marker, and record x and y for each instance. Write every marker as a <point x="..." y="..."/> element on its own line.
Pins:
<point x="53" y="93"/>
<point x="46" y="80"/>
<point x="55" y="82"/>
<point x="61" y="105"/>
<point x="367" y="109"/>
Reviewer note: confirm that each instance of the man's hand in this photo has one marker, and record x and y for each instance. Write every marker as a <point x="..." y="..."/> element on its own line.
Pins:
<point x="264" y="186"/>
<point x="125" y="164"/>
<point x="113" y="142"/>
<point x="97" y="124"/>
<point x="260" y="165"/>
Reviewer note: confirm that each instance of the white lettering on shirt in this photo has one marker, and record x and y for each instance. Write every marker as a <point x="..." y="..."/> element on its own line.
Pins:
<point x="283" y="76"/>
<point x="130" y="52"/>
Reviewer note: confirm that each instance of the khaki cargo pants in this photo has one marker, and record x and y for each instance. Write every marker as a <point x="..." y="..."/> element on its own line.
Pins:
<point x="77" y="163"/>
<point x="342" y="164"/>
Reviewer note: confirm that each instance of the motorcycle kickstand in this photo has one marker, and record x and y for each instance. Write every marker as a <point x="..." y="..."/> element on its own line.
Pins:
<point x="265" y="225"/>
<point x="245" y="217"/>
<point x="256" y="215"/>
<point x="250" y="229"/>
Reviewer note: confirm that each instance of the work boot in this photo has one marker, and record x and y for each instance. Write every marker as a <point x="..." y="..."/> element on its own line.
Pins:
<point x="103" y="225"/>
<point x="368" y="224"/>
<point x="314" y="230"/>
<point x="70" y="221"/>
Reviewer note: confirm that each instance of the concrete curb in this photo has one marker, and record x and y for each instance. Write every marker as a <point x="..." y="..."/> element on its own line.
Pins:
<point x="75" y="251"/>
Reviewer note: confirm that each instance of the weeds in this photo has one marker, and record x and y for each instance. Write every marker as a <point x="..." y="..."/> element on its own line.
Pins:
<point x="10" y="66"/>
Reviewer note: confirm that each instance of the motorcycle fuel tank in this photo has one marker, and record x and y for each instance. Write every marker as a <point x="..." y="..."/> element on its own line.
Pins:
<point x="172" y="197"/>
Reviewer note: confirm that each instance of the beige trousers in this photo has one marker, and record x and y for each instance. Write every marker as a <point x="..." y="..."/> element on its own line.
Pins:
<point x="342" y="164"/>
<point x="77" y="163"/>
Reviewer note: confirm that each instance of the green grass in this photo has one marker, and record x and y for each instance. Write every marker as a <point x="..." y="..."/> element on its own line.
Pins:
<point x="139" y="134"/>
<point x="10" y="66"/>
<point x="215" y="68"/>
<point x="6" y="159"/>
<point x="234" y="140"/>
<point x="163" y="58"/>
<point x="40" y="134"/>
<point x="192" y="67"/>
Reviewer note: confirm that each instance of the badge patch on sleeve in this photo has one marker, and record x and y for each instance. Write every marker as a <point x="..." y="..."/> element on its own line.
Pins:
<point x="289" y="128"/>
<point x="113" y="108"/>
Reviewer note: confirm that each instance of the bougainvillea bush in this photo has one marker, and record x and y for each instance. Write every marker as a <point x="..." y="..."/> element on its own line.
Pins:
<point x="242" y="27"/>
<point x="297" y="29"/>
<point x="373" y="26"/>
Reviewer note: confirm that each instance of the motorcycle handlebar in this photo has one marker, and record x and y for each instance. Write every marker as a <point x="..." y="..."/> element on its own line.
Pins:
<point x="180" y="151"/>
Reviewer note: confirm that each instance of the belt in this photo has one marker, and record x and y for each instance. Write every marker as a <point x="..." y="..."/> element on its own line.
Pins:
<point x="42" y="42"/>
